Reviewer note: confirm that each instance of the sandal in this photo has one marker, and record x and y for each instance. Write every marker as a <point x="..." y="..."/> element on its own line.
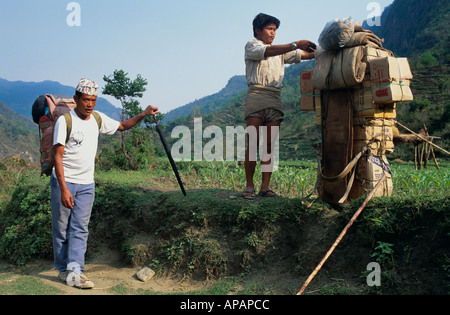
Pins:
<point x="268" y="193"/>
<point x="249" y="194"/>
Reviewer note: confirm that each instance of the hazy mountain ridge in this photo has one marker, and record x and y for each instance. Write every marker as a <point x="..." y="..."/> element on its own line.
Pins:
<point x="19" y="135"/>
<point x="20" y="96"/>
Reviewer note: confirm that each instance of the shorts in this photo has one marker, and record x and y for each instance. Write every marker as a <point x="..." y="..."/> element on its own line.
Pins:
<point x="268" y="115"/>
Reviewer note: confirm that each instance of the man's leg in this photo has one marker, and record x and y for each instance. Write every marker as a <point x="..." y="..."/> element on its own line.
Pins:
<point x="78" y="227"/>
<point x="60" y="221"/>
<point x="253" y="125"/>
<point x="270" y="137"/>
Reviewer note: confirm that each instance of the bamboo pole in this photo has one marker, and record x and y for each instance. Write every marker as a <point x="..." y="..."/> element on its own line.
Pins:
<point x="339" y="239"/>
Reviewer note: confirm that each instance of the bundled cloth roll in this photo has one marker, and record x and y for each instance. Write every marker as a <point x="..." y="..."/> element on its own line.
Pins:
<point x="345" y="67"/>
<point x="337" y="69"/>
<point x="365" y="38"/>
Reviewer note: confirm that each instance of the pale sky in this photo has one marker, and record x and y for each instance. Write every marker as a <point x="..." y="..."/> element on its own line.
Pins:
<point x="185" y="49"/>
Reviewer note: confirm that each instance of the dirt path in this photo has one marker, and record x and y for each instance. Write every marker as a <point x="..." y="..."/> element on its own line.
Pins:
<point x="111" y="277"/>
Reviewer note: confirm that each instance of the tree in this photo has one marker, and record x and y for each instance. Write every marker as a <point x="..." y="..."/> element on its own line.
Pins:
<point x="122" y="88"/>
<point x="428" y="59"/>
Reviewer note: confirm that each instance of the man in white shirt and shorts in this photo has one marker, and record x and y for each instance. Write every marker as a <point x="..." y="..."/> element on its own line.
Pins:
<point x="265" y="64"/>
<point x="72" y="180"/>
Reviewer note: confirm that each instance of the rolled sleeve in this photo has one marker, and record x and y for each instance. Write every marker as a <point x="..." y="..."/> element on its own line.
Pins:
<point x="255" y="50"/>
<point x="293" y="57"/>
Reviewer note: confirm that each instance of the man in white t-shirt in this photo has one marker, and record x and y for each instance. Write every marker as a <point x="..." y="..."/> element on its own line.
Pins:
<point x="72" y="180"/>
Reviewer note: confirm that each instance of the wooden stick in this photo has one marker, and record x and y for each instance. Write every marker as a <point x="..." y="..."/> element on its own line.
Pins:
<point x="434" y="145"/>
<point x="427" y="148"/>
<point x="416" y="149"/>
<point x="421" y="156"/>
<point x="435" y="160"/>
<point x="339" y="239"/>
<point x="427" y="155"/>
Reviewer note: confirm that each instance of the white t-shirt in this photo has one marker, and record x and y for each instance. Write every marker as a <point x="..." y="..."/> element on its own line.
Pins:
<point x="80" y="151"/>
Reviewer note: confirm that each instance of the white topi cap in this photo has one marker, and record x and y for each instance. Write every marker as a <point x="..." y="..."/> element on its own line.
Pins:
<point x="87" y="87"/>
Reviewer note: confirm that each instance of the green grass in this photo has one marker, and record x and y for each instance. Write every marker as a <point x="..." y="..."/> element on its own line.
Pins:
<point x="291" y="180"/>
<point x="189" y="233"/>
<point x="411" y="182"/>
<point x="13" y="284"/>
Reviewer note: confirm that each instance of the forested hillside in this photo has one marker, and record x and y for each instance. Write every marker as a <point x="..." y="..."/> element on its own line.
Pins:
<point x="412" y="28"/>
<point x="18" y="135"/>
<point x="298" y="132"/>
<point x="209" y="104"/>
<point x="420" y="31"/>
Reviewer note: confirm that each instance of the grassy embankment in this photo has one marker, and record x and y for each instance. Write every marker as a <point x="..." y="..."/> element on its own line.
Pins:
<point x="214" y="233"/>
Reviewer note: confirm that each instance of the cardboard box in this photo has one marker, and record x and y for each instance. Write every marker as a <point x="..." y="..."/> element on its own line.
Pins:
<point x="365" y="105"/>
<point x="389" y="69"/>
<point x="308" y="102"/>
<point x="378" y="132"/>
<point x="373" y="52"/>
<point x="405" y="69"/>
<point x="318" y="110"/>
<point x="388" y="92"/>
<point x="390" y="79"/>
<point x="376" y="167"/>
<point x="392" y="93"/>
<point x="307" y="91"/>
<point x="370" y="170"/>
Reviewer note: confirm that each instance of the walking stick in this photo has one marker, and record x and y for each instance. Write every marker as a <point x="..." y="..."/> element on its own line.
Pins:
<point x="169" y="155"/>
<point x="339" y="239"/>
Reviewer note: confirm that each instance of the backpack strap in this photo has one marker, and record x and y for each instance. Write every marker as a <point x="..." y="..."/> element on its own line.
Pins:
<point x="68" y="118"/>
<point x="98" y="118"/>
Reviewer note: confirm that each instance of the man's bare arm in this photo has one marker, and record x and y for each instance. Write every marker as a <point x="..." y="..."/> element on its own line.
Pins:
<point x="66" y="196"/>
<point x="277" y="50"/>
<point x="130" y="123"/>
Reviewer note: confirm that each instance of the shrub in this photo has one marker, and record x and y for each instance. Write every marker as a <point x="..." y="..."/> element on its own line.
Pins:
<point x="427" y="59"/>
<point x="26" y="221"/>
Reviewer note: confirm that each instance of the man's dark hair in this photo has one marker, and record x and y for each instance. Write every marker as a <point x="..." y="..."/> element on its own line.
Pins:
<point x="79" y="94"/>
<point x="262" y="20"/>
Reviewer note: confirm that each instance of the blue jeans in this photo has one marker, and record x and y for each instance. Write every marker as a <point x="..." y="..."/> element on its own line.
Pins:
<point x="70" y="227"/>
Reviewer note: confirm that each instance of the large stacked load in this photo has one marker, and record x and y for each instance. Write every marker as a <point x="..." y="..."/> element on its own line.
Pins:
<point x="354" y="90"/>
